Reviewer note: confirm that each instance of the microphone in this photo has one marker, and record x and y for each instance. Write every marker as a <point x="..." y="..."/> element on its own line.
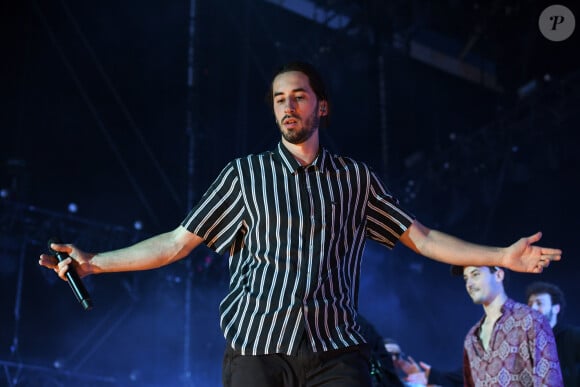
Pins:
<point x="73" y="278"/>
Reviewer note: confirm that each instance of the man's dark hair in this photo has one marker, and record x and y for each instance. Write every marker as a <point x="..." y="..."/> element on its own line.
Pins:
<point x="458" y="270"/>
<point x="315" y="80"/>
<point x="556" y="294"/>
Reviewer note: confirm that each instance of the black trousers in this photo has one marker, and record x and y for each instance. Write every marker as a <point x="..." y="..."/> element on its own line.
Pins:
<point x="347" y="367"/>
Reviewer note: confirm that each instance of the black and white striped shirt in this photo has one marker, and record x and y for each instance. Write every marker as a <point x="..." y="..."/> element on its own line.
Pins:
<point x="295" y="237"/>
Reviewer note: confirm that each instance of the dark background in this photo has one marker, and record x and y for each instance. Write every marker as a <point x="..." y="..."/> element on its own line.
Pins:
<point x="130" y="109"/>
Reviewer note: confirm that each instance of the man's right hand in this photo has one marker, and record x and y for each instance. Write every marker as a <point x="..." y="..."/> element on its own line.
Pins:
<point x="78" y="258"/>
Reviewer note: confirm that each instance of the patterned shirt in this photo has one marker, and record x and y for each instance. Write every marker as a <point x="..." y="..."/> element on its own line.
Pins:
<point x="295" y="237"/>
<point x="522" y="351"/>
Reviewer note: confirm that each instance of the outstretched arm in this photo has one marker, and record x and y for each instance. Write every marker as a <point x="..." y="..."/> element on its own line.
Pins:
<point x="151" y="253"/>
<point x="521" y="256"/>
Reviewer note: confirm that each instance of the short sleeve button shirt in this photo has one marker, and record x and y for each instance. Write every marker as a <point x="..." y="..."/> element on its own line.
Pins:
<point x="295" y="236"/>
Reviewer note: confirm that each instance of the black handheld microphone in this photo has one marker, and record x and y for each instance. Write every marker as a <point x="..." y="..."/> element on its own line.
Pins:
<point x="73" y="278"/>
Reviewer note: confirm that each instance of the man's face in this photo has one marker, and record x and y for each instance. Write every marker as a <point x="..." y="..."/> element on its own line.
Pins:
<point x="542" y="302"/>
<point x="296" y="107"/>
<point x="481" y="284"/>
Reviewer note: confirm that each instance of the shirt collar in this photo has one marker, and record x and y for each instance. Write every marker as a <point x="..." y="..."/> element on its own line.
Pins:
<point x="283" y="155"/>
<point x="508" y="305"/>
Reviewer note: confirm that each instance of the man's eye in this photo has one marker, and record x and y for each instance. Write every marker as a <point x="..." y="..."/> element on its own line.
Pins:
<point x="279" y="101"/>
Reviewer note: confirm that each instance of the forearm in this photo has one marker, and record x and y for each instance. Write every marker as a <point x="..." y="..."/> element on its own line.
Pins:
<point x="157" y="251"/>
<point x="446" y="248"/>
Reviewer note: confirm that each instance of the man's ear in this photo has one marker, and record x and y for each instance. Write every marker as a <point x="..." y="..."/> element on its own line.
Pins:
<point x="556" y="308"/>
<point x="323" y="108"/>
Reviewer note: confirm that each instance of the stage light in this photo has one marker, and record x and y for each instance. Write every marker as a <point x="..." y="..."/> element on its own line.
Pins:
<point x="138" y="225"/>
<point x="135" y="375"/>
<point x="173" y="279"/>
<point x="4" y="193"/>
<point x="72" y="208"/>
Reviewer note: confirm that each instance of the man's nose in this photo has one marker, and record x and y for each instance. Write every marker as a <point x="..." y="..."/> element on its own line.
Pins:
<point x="289" y="106"/>
<point x="468" y="283"/>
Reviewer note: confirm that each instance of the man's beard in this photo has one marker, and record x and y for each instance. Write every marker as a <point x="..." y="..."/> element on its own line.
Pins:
<point x="549" y="315"/>
<point x="298" y="136"/>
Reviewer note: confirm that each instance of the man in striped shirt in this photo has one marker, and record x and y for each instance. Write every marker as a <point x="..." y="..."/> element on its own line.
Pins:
<point x="294" y="221"/>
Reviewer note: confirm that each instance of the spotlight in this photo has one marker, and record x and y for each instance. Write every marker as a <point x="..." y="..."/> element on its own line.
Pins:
<point x="72" y="208"/>
<point x="173" y="278"/>
<point x="135" y="375"/>
<point x="138" y="225"/>
<point x="4" y="193"/>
